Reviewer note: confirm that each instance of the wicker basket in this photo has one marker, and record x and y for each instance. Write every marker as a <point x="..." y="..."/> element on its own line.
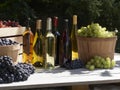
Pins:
<point x="89" y="47"/>
<point x="10" y="50"/>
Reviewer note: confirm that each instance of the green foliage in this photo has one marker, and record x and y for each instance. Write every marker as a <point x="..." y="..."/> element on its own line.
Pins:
<point x="110" y="15"/>
<point x="16" y="10"/>
<point x="104" y="12"/>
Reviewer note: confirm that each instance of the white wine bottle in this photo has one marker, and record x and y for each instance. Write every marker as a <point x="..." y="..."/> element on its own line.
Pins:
<point x="73" y="39"/>
<point x="38" y="46"/>
<point x="49" y="46"/>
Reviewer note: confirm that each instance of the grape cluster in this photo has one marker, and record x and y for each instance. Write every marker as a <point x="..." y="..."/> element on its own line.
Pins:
<point x="73" y="64"/>
<point x="5" y="41"/>
<point x="100" y="62"/>
<point x="95" y="30"/>
<point x="9" y="23"/>
<point x="9" y="72"/>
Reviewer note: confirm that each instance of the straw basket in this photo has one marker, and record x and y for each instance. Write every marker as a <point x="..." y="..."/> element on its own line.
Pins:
<point x="10" y="50"/>
<point x="89" y="47"/>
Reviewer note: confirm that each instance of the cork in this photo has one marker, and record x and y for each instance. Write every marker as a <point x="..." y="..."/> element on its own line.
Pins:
<point x="39" y="24"/>
<point x="74" y="19"/>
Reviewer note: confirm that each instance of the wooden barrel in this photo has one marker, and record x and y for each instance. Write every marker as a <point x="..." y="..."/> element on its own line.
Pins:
<point x="89" y="47"/>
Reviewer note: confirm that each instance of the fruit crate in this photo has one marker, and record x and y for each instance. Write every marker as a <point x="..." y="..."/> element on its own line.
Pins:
<point x="89" y="47"/>
<point x="15" y="34"/>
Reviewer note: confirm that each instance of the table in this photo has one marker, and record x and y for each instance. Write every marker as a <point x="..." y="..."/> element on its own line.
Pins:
<point x="63" y="77"/>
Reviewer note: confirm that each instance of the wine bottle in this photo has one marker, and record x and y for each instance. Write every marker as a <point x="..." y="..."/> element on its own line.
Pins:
<point x="73" y="39"/>
<point x="28" y="38"/>
<point x="38" y="46"/>
<point x="57" y="40"/>
<point x="66" y="43"/>
<point x="50" y="46"/>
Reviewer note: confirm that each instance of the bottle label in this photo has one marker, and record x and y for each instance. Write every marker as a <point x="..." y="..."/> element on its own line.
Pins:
<point x="50" y="52"/>
<point x="49" y="61"/>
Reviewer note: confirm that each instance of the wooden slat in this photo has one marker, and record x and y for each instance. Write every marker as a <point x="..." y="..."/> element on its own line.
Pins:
<point x="12" y="31"/>
<point x="15" y="34"/>
<point x="18" y="39"/>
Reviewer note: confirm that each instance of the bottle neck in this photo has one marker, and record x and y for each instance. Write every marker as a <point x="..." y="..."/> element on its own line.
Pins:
<point x="55" y="29"/>
<point x="28" y="24"/>
<point x="66" y="25"/>
<point x="38" y="31"/>
<point x="74" y="23"/>
<point x="74" y="27"/>
<point x="28" y="28"/>
<point x="74" y="30"/>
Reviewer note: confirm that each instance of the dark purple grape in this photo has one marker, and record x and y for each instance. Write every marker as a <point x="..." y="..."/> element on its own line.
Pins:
<point x="4" y="41"/>
<point x="14" y="73"/>
<point x="73" y="64"/>
<point x="1" y="80"/>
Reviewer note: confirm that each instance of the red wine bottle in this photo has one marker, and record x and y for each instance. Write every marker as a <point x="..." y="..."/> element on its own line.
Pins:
<point x="57" y="39"/>
<point x="66" y="42"/>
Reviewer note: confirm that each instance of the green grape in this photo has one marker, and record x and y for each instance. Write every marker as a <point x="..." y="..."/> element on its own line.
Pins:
<point x="100" y="62"/>
<point x="97" y="63"/>
<point x="96" y="57"/>
<point x="103" y="61"/>
<point x="92" y="61"/>
<point x="87" y="66"/>
<point x="108" y="62"/>
<point x="105" y="67"/>
<point x="88" y="63"/>
<point x="101" y="66"/>
<point x="82" y="31"/>
<point x="113" y="63"/>
<point x="108" y="59"/>
<point x="91" y="67"/>
<point x="95" y="30"/>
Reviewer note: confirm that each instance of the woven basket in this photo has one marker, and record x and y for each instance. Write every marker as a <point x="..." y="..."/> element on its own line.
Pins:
<point x="10" y="50"/>
<point x="89" y="47"/>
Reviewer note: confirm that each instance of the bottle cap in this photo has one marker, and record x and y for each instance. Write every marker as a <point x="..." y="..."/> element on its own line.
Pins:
<point x="49" y="24"/>
<point x="55" y="21"/>
<point x="66" y="20"/>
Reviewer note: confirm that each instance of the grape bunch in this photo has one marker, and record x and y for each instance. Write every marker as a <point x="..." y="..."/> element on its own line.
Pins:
<point x="9" y="23"/>
<point x="95" y="30"/>
<point x="5" y="41"/>
<point x="73" y="64"/>
<point x="100" y="62"/>
<point x="9" y="72"/>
